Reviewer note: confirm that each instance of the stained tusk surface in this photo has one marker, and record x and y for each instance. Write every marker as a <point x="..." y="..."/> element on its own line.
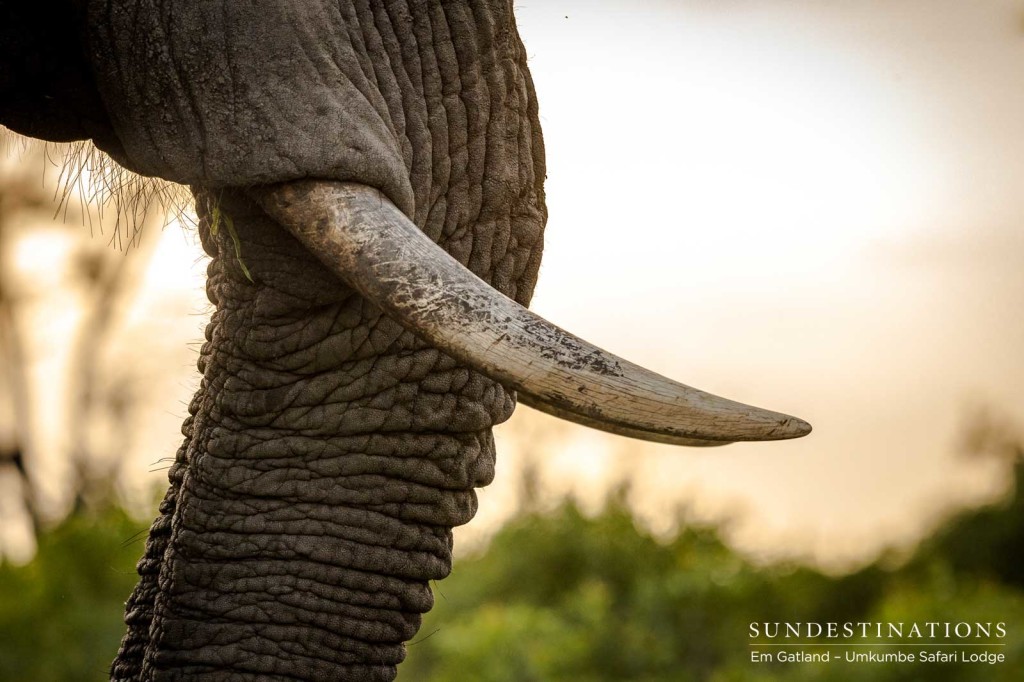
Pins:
<point x="368" y="242"/>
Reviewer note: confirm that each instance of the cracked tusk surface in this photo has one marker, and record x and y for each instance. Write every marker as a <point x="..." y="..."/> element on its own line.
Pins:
<point x="370" y="244"/>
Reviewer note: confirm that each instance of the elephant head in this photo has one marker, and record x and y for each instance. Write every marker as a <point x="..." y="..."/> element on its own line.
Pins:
<point x="369" y="182"/>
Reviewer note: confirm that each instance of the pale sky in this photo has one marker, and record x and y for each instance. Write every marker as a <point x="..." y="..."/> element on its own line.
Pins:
<point x="810" y="206"/>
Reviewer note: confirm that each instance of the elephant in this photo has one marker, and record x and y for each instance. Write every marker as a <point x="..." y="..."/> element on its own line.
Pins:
<point x="369" y="183"/>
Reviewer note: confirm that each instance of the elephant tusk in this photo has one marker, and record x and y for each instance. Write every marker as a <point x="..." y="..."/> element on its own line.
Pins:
<point x="368" y="242"/>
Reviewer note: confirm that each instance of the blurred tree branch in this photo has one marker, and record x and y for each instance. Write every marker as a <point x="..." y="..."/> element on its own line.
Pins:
<point x="17" y="196"/>
<point x="103" y="279"/>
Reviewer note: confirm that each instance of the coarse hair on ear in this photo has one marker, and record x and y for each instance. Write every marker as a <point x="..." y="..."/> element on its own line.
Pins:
<point x="104" y="188"/>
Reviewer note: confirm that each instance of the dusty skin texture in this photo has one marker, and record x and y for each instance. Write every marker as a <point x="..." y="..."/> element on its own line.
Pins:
<point x="329" y="453"/>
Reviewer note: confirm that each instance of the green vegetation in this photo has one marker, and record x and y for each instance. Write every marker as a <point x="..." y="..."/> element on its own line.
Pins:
<point x="564" y="596"/>
<point x="220" y="216"/>
<point x="61" y="615"/>
<point x="561" y="596"/>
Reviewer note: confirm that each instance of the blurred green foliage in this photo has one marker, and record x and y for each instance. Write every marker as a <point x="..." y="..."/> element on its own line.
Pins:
<point x="61" y="616"/>
<point x="563" y="596"/>
<point x="566" y="596"/>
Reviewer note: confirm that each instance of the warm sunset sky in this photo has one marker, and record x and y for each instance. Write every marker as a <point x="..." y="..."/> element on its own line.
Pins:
<point x="811" y="206"/>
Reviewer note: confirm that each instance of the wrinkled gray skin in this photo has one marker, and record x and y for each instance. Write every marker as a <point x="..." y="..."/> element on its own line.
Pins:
<point x="329" y="452"/>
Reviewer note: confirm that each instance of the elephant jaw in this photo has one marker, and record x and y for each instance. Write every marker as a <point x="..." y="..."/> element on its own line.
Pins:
<point x="368" y="242"/>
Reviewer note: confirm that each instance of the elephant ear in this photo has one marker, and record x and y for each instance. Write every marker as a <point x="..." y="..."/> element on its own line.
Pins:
<point x="368" y="242"/>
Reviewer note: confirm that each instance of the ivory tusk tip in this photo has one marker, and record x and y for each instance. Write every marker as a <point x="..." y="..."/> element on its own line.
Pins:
<point x="762" y="425"/>
<point x="777" y="426"/>
<point x="794" y="427"/>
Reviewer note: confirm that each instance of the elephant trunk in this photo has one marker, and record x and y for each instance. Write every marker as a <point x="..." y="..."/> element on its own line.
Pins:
<point x="328" y="455"/>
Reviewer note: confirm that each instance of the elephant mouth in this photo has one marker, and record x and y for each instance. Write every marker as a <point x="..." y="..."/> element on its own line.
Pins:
<point x="370" y="244"/>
